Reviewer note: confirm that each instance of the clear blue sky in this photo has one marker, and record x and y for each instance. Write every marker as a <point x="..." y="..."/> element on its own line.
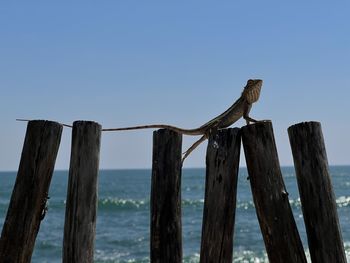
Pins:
<point x="125" y="63"/>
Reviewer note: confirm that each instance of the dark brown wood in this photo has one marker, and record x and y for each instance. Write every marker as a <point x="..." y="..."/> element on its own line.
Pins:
<point x="166" y="231"/>
<point x="28" y="201"/>
<point x="222" y="164"/>
<point x="316" y="193"/>
<point x="81" y="205"/>
<point x="270" y="196"/>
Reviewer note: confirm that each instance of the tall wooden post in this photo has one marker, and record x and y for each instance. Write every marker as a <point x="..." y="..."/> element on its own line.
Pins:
<point x="222" y="164"/>
<point x="81" y="205"/>
<point x="166" y="239"/>
<point x="28" y="201"/>
<point x="270" y="196"/>
<point x="316" y="193"/>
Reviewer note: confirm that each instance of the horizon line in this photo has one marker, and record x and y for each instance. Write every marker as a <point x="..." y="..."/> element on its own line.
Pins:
<point x="150" y="168"/>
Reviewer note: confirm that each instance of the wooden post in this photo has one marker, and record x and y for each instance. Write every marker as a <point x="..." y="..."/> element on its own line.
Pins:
<point x="28" y="201"/>
<point x="316" y="193"/>
<point x="222" y="164"/>
<point x="81" y="205"/>
<point x="166" y="235"/>
<point x="270" y="197"/>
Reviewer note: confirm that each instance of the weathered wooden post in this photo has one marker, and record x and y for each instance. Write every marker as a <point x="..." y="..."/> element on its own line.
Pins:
<point x="166" y="231"/>
<point x="316" y="193"/>
<point x="222" y="164"/>
<point x="28" y="201"/>
<point x="270" y="197"/>
<point x="81" y="204"/>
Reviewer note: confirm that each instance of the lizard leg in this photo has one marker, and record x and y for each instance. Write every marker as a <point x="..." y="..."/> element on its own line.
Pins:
<point x="249" y="120"/>
<point x="194" y="146"/>
<point x="246" y="114"/>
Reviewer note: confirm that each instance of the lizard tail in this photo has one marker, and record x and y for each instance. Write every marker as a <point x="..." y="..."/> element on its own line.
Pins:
<point x="158" y="126"/>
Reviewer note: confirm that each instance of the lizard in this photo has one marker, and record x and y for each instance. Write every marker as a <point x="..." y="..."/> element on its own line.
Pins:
<point x="240" y="108"/>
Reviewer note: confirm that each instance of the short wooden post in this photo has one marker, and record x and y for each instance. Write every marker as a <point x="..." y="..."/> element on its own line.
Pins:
<point x="28" y="201"/>
<point x="270" y="197"/>
<point x="222" y="164"/>
<point x="166" y="239"/>
<point x="316" y="193"/>
<point x="81" y="204"/>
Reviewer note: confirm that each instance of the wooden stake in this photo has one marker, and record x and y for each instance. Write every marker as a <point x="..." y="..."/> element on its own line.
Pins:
<point x="166" y="239"/>
<point x="28" y="201"/>
<point x="316" y="193"/>
<point x="220" y="196"/>
<point x="81" y="205"/>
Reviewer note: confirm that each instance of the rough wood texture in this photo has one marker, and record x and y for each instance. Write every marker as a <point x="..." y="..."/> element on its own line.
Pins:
<point x="166" y="232"/>
<point x="222" y="163"/>
<point x="28" y="201"/>
<point x="275" y="216"/>
<point x="316" y="193"/>
<point x="81" y="205"/>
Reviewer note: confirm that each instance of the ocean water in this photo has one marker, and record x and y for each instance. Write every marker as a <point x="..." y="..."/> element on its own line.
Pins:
<point x="122" y="231"/>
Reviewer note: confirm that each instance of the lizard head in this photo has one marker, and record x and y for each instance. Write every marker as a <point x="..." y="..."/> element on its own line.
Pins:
<point x="251" y="91"/>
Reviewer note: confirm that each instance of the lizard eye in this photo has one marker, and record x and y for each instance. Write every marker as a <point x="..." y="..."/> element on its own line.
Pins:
<point x="250" y="82"/>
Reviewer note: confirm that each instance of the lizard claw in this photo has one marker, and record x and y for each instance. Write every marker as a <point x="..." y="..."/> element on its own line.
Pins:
<point x="257" y="121"/>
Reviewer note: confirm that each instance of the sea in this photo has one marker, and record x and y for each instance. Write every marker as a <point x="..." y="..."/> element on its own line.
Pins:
<point x="123" y="217"/>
